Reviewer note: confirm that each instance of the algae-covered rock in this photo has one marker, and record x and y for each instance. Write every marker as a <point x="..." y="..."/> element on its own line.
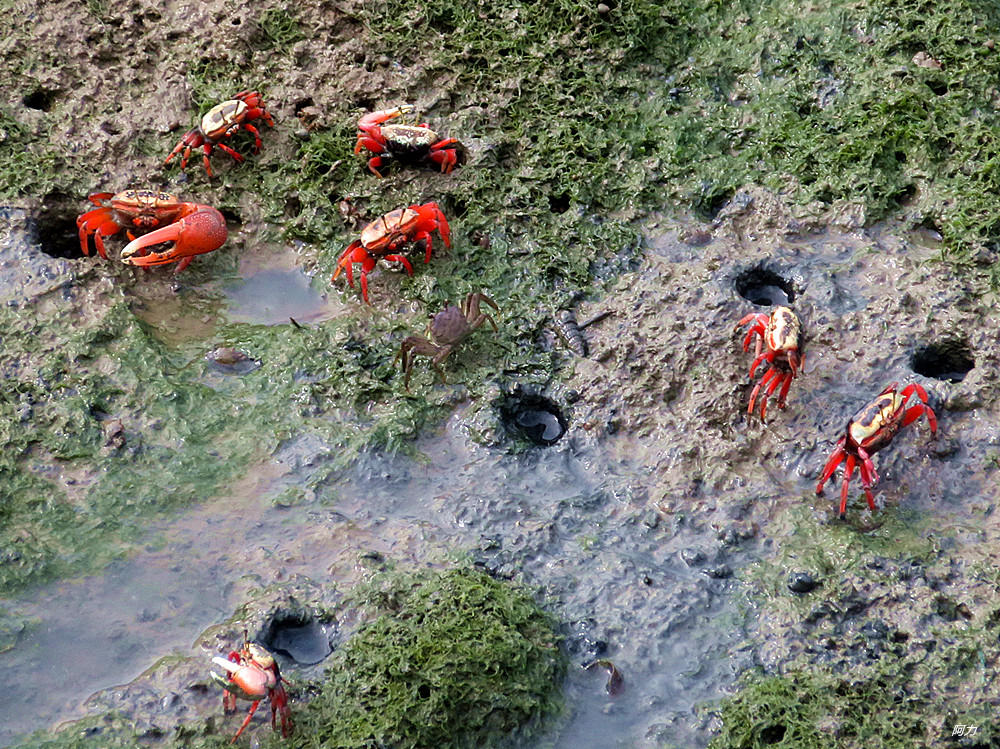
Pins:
<point x="455" y="658"/>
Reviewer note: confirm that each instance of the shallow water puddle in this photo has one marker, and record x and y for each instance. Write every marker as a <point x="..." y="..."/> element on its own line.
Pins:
<point x="272" y="288"/>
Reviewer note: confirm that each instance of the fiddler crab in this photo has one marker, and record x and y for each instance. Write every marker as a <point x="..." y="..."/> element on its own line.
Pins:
<point x="410" y="144"/>
<point x="251" y="673"/>
<point x="447" y="328"/>
<point x="194" y="228"/>
<point x="868" y="431"/>
<point x="385" y="235"/>
<point x="778" y="345"/>
<point x="223" y="121"/>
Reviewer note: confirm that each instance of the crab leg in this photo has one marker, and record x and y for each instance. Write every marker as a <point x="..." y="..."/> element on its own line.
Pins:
<point x="848" y="470"/>
<point x="784" y="389"/>
<point x="915" y="412"/>
<point x="753" y="396"/>
<point x="767" y="356"/>
<point x="201" y="230"/>
<point x="867" y="483"/>
<point x="246" y="721"/>
<point x="767" y="393"/>
<point x="104" y="229"/>
<point x="836" y="458"/>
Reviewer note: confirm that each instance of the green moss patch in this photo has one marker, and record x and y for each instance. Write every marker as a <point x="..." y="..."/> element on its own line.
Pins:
<point x="452" y="659"/>
<point x="883" y="103"/>
<point x="814" y="710"/>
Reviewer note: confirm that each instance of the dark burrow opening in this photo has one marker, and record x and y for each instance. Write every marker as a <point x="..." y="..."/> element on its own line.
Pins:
<point x="533" y="417"/>
<point x="41" y="99"/>
<point x="764" y="287"/>
<point x="948" y="360"/>
<point x="305" y="641"/>
<point x="54" y="226"/>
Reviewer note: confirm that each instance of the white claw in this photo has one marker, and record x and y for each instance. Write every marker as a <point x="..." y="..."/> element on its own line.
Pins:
<point x="226" y="664"/>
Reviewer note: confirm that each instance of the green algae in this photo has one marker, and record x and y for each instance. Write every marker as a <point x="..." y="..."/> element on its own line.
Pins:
<point x="452" y="658"/>
<point x="885" y="103"/>
<point x="878" y="707"/>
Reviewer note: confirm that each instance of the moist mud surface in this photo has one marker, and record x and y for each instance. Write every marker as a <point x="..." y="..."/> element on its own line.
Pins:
<point x="233" y="446"/>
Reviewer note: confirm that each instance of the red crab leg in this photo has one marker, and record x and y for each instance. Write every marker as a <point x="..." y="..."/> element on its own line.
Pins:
<point x="426" y="236"/>
<point x="255" y="113"/>
<point x="279" y="703"/>
<point x="98" y="198"/>
<point x="373" y="164"/>
<point x="191" y="139"/>
<point x="367" y="265"/>
<point x="403" y="260"/>
<point x="366" y="141"/>
<point x="347" y="259"/>
<point x="753" y="395"/>
<point x="256" y="135"/>
<point x="767" y="356"/>
<point x="443" y="156"/>
<point x="246" y="721"/>
<point x="914" y="412"/>
<point x="442" y="225"/>
<point x="784" y="390"/>
<point x="912" y="388"/>
<point x="767" y="393"/>
<point x="230" y="151"/>
<point x="835" y="459"/>
<point x="104" y="229"/>
<point x="848" y="470"/>
<point x="200" y="231"/>
<point x="867" y="483"/>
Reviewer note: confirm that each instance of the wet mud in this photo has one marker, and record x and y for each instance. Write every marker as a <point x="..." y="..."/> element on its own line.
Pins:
<point x="641" y="526"/>
<point x="678" y="538"/>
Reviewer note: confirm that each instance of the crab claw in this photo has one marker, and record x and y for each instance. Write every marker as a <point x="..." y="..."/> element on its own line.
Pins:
<point x="225" y="664"/>
<point x="384" y="115"/>
<point x="198" y="231"/>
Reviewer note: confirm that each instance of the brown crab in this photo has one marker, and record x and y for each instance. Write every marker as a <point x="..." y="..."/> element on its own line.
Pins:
<point x="447" y="328"/>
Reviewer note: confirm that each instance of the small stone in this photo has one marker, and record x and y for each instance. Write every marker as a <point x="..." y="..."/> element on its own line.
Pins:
<point x="801" y="582"/>
<point x="692" y="557"/>
<point x="720" y="572"/>
<point x="924" y="60"/>
<point x="226" y="355"/>
<point x="603" y="9"/>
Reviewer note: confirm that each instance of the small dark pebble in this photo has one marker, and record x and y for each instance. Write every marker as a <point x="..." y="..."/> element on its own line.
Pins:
<point x="801" y="582"/>
<point x="721" y="572"/>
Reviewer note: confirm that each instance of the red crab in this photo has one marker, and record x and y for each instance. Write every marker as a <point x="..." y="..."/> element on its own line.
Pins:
<point x="383" y="236"/>
<point x="192" y="227"/>
<point x="868" y="431"/>
<point x="411" y="144"/>
<point x="252" y="674"/>
<point x="778" y="345"/>
<point x="222" y="121"/>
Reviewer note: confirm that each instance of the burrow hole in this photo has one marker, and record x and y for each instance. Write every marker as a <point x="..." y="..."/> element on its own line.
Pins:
<point x="41" y="99"/>
<point x="533" y="417"/>
<point x="55" y="227"/>
<point x="305" y="641"/>
<point x="765" y="288"/>
<point x="948" y="360"/>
